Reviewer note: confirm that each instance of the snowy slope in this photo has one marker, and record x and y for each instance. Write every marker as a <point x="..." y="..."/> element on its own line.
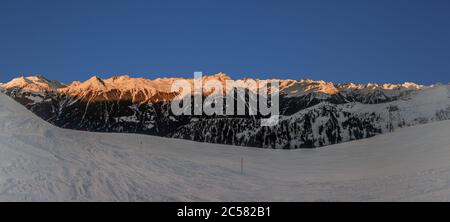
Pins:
<point x="40" y="162"/>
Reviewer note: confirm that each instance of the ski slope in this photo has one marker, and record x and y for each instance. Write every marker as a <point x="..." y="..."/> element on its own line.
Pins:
<point x="40" y="162"/>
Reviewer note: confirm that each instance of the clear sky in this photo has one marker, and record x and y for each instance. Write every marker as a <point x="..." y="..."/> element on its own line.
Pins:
<point x="340" y="41"/>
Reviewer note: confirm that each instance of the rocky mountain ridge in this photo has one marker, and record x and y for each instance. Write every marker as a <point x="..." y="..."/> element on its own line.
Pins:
<point x="313" y="113"/>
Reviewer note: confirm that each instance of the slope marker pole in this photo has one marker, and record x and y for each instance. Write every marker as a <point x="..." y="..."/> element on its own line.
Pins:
<point x="242" y="165"/>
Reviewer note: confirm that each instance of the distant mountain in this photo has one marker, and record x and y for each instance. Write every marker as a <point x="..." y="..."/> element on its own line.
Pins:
<point x="313" y="113"/>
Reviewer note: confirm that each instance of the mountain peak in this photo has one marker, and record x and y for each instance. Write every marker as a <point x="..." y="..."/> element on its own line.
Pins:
<point x="95" y="79"/>
<point x="219" y="76"/>
<point x="120" y="78"/>
<point x="36" y="83"/>
<point x="94" y="83"/>
<point x="412" y="85"/>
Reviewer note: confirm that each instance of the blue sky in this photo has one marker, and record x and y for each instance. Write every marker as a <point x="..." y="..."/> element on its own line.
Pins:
<point x="341" y="41"/>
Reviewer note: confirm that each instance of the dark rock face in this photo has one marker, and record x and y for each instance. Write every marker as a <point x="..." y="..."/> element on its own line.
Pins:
<point x="307" y="121"/>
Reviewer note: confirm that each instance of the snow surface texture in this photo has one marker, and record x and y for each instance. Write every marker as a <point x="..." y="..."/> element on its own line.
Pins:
<point x="40" y="162"/>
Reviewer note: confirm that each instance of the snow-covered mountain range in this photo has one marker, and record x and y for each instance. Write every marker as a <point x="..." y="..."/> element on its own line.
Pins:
<point x="41" y="162"/>
<point x="313" y="113"/>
